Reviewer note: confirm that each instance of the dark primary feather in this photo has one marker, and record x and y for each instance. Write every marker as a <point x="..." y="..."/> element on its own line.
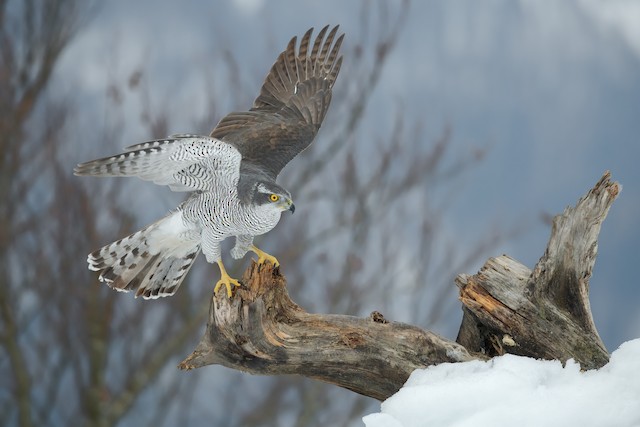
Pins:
<point x="293" y="101"/>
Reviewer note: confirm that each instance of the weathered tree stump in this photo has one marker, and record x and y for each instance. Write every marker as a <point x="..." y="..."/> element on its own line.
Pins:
<point x="508" y="308"/>
<point x="544" y="313"/>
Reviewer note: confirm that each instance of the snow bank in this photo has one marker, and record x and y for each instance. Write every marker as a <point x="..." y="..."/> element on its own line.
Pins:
<point x="518" y="391"/>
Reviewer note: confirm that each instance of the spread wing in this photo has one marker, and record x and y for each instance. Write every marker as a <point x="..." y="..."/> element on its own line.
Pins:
<point x="293" y="101"/>
<point x="183" y="162"/>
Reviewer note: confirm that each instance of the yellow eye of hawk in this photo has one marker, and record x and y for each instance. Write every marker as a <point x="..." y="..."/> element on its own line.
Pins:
<point x="274" y="197"/>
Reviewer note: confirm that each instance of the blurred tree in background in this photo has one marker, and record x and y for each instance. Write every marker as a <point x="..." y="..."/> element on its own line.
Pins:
<point x="368" y="237"/>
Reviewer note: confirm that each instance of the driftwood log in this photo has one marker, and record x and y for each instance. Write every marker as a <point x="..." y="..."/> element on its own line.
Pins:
<point x="544" y="313"/>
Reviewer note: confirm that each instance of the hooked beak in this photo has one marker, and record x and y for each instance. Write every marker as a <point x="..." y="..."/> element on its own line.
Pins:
<point x="286" y="204"/>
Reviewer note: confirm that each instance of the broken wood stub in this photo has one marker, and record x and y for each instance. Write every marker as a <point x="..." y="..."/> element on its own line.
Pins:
<point x="544" y="313"/>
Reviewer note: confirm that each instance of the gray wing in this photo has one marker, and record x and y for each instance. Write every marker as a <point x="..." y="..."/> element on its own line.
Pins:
<point x="292" y="103"/>
<point x="183" y="162"/>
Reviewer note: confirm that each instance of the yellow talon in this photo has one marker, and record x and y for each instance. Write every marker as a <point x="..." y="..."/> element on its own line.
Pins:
<point x="264" y="257"/>
<point x="226" y="280"/>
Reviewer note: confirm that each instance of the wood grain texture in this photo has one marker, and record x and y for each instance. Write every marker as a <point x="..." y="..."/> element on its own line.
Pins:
<point x="544" y="312"/>
<point x="261" y="331"/>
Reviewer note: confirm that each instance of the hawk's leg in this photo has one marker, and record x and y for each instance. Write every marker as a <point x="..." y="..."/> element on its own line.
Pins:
<point x="264" y="257"/>
<point x="243" y="245"/>
<point x="211" y="250"/>
<point x="225" y="279"/>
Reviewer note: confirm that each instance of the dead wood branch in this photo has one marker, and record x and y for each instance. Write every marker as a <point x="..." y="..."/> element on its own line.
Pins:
<point x="508" y="308"/>
<point x="261" y="331"/>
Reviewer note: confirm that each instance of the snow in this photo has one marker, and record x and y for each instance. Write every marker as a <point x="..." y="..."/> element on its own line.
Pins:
<point x="513" y="390"/>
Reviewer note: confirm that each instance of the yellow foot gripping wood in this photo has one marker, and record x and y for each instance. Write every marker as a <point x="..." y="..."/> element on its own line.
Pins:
<point x="265" y="257"/>
<point x="225" y="280"/>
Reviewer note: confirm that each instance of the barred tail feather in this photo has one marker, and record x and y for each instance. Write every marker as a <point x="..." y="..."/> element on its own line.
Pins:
<point x="153" y="262"/>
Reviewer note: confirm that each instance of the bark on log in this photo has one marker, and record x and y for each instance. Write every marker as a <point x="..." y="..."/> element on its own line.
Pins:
<point x="508" y="308"/>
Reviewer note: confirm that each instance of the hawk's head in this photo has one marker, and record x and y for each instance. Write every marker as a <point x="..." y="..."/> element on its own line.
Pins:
<point x="270" y="195"/>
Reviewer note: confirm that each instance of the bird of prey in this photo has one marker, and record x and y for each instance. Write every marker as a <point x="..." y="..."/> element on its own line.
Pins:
<point x="231" y="174"/>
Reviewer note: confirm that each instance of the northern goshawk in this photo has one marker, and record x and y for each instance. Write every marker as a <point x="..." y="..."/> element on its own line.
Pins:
<point x="232" y="174"/>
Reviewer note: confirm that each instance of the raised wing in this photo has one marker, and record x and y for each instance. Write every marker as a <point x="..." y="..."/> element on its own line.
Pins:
<point x="183" y="162"/>
<point x="292" y="103"/>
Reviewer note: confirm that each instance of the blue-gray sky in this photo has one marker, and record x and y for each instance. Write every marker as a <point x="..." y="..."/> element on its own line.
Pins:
<point x="550" y="89"/>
